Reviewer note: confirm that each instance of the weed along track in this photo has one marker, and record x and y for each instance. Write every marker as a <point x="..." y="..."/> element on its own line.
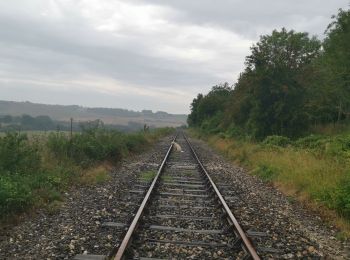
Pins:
<point x="182" y="214"/>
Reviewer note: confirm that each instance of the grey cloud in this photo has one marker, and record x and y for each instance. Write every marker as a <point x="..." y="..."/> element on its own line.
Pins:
<point x="67" y="47"/>
<point x="50" y="49"/>
<point x="250" y="18"/>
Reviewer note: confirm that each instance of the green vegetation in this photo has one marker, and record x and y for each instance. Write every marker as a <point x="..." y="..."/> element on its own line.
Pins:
<point x="315" y="171"/>
<point x="291" y="84"/>
<point x="287" y="117"/>
<point x="148" y="175"/>
<point x="35" y="171"/>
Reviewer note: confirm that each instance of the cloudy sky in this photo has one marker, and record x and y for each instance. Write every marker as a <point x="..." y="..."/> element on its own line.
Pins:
<point x="145" y="54"/>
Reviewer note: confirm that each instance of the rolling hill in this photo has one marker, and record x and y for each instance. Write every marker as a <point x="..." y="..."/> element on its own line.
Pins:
<point x="112" y="116"/>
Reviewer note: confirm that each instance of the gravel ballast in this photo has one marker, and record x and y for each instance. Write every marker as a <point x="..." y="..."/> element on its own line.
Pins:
<point x="293" y="230"/>
<point x="79" y="226"/>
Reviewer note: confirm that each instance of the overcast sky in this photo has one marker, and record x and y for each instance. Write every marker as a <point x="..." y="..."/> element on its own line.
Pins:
<point x="146" y="54"/>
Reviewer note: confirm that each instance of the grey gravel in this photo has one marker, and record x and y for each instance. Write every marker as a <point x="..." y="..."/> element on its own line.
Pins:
<point x="290" y="231"/>
<point x="291" y="228"/>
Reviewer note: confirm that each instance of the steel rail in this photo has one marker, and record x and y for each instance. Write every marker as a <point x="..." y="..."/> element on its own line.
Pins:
<point x="246" y="242"/>
<point x="127" y="238"/>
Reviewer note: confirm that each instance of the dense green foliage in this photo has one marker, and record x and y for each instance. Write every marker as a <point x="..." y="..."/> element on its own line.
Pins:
<point x="34" y="171"/>
<point x="291" y="82"/>
<point x="207" y="111"/>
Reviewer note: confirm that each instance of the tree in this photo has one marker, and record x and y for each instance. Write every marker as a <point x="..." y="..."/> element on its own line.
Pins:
<point x="205" y="107"/>
<point x="284" y="50"/>
<point x="6" y="119"/>
<point x="270" y="93"/>
<point x="290" y="82"/>
<point x="337" y="62"/>
<point x="44" y="123"/>
<point x="192" y="118"/>
<point x="27" y="121"/>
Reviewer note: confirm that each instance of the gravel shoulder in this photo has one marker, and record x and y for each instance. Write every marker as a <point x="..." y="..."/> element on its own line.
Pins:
<point x="292" y="229"/>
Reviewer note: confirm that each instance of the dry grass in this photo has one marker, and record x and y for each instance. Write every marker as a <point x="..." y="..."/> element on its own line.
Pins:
<point x="96" y="175"/>
<point x="298" y="173"/>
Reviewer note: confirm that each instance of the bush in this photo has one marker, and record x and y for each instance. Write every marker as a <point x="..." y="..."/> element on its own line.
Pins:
<point x="277" y="140"/>
<point x="135" y="142"/>
<point x="339" y="197"/>
<point x="34" y="174"/>
<point x="334" y="145"/>
<point x="342" y="198"/>
<point x="266" y="172"/>
<point x="97" y="145"/>
<point x="212" y="125"/>
<point x="17" y="155"/>
<point x="15" y="194"/>
<point x="312" y="142"/>
<point x="91" y="146"/>
<point x="234" y="131"/>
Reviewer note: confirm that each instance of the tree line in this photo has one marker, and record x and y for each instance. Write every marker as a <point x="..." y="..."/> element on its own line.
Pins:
<point x="25" y="122"/>
<point x="291" y="82"/>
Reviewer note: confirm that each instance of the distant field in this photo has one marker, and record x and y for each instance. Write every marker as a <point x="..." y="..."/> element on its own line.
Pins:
<point x="115" y="116"/>
<point x="36" y="133"/>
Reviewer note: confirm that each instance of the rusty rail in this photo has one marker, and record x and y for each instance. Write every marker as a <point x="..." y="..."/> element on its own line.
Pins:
<point x="245" y="240"/>
<point x="128" y="236"/>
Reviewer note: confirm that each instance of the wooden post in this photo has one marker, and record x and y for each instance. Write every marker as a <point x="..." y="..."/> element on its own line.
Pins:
<point x="71" y="127"/>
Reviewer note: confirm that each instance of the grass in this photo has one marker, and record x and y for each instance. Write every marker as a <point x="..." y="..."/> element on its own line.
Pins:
<point x="313" y="176"/>
<point x="167" y="178"/>
<point x="96" y="175"/>
<point x="147" y="175"/>
<point x="35" y="170"/>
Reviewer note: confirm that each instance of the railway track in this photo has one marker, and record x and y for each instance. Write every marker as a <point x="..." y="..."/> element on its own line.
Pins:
<point x="182" y="214"/>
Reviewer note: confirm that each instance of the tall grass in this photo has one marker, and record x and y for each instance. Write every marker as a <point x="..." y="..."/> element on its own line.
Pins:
<point x="315" y="169"/>
<point x="34" y="171"/>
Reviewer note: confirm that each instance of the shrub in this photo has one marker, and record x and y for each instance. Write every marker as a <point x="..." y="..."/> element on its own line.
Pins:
<point x="334" y="146"/>
<point x="34" y="174"/>
<point x="277" y="140"/>
<point x="17" y="155"/>
<point x="265" y="172"/>
<point x="15" y="194"/>
<point x="340" y="197"/>
<point x="234" y="131"/>
<point x="91" y="146"/>
<point x="312" y="142"/>
<point x="135" y="142"/>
